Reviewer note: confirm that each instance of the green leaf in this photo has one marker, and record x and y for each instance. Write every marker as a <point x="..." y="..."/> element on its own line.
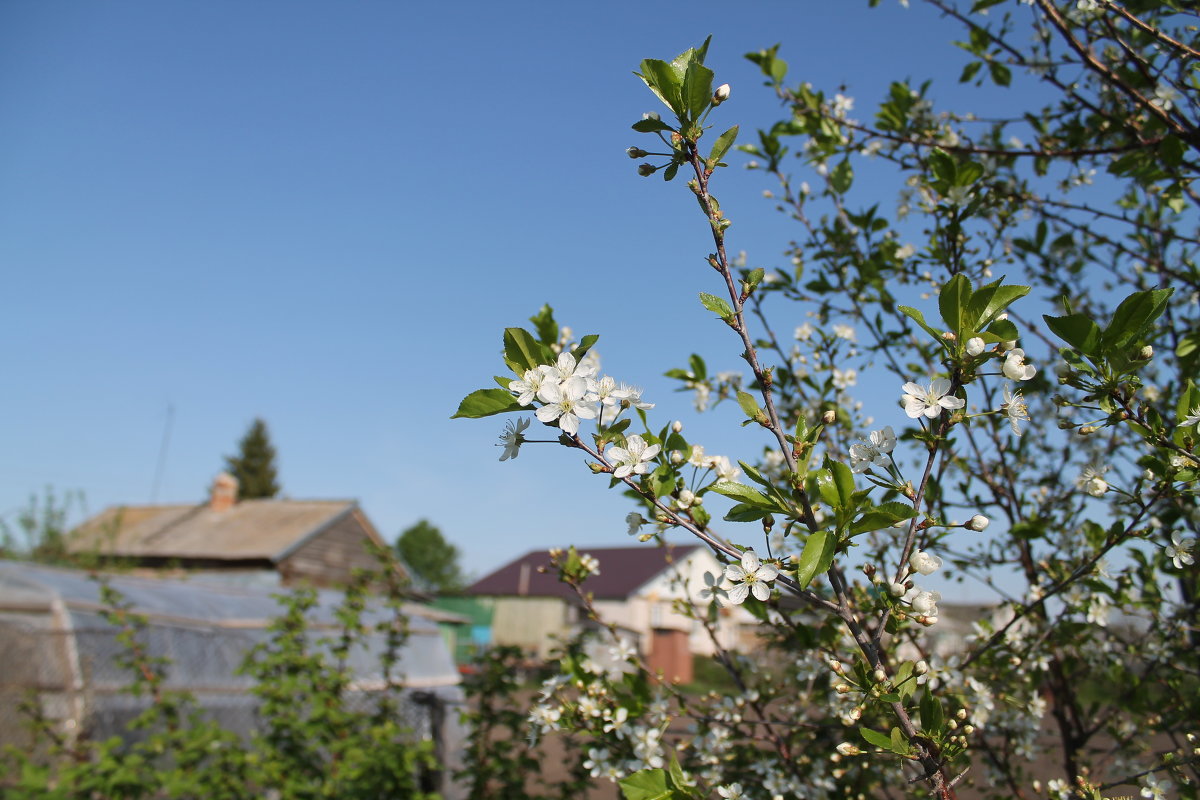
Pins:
<point x="987" y="303"/>
<point x="1001" y="74"/>
<point x="664" y="82"/>
<point x="722" y="145"/>
<point x="585" y="344"/>
<point x="842" y="177"/>
<point x="748" y="405"/>
<point x="544" y="324"/>
<point x="931" y="714"/>
<point x="1077" y="330"/>
<point x="743" y="494"/>
<point x="1134" y="316"/>
<point x="919" y="318"/>
<point x="485" y="403"/>
<point x="1002" y="331"/>
<point x="651" y="125"/>
<point x="697" y="88"/>
<point x="880" y="740"/>
<point x="1189" y="399"/>
<point x="943" y="167"/>
<point x="648" y="784"/>
<point x="953" y="300"/>
<point x="716" y="305"/>
<point x="744" y="512"/>
<point x="880" y="517"/>
<point x="843" y="479"/>
<point x="816" y="558"/>
<point x="523" y="352"/>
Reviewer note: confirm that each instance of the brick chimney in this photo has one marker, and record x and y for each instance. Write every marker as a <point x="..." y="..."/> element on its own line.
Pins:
<point x="224" y="492"/>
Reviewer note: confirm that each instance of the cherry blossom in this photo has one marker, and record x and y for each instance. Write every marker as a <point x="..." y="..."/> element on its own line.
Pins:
<point x="633" y="458"/>
<point x="751" y="576"/>
<point x="929" y="401"/>
<point x="512" y="439"/>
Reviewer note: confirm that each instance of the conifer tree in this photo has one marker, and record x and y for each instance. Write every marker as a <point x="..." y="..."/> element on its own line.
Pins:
<point x="254" y="465"/>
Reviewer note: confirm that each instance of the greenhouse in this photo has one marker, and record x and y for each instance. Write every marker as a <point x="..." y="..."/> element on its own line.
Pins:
<point x="60" y="649"/>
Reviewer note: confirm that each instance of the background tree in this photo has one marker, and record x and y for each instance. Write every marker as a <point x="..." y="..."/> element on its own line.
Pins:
<point x="254" y="465"/>
<point x="433" y="560"/>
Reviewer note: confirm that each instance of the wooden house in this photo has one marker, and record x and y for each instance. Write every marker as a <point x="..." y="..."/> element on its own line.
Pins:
<point x="291" y="542"/>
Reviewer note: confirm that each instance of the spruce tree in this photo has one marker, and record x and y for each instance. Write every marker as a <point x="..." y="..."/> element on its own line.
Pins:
<point x="254" y="465"/>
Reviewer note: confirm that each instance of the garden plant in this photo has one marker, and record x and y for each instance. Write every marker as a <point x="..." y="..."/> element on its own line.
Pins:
<point x="1028" y="298"/>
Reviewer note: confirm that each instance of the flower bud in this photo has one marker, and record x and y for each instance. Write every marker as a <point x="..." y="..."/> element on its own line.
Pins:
<point x="646" y="170"/>
<point x="977" y="523"/>
<point x="1146" y="353"/>
<point x="896" y="589"/>
<point x="968" y="729"/>
<point x="829" y="417"/>
<point x="1087" y="430"/>
<point x="842" y="688"/>
<point x="677" y="426"/>
<point x="879" y="676"/>
<point x="636" y="152"/>
<point x="975" y="346"/>
<point x="961" y="713"/>
<point x="721" y="94"/>
<point x="836" y="666"/>
<point x="949" y="336"/>
<point x="920" y="668"/>
<point x="847" y="749"/>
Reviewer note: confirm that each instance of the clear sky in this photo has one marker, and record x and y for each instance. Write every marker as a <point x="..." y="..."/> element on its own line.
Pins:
<point x="325" y="213"/>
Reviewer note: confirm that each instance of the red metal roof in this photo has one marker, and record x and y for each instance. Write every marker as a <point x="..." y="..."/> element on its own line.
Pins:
<point x="623" y="570"/>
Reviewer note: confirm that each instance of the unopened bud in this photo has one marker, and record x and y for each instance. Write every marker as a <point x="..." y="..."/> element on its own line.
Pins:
<point x="961" y="713"/>
<point x="1087" y="430"/>
<point x="952" y="724"/>
<point x="847" y="749"/>
<point x="677" y="457"/>
<point x="977" y="523"/>
<point x="949" y="336"/>
<point x="836" y="666"/>
<point x="721" y="94"/>
<point x="646" y="170"/>
<point x="879" y="676"/>
<point x="975" y="346"/>
<point x="636" y="152"/>
<point x="829" y="417"/>
<point x="1146" y="353"/>
<point x="896" y="589"/>
<point x="920" y="668"/>
<point x="677" y="426"/>
<point x="968" y="729"/>
<point x="842" y="688"/>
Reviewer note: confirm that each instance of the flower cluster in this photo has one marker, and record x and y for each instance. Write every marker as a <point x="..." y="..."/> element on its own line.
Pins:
<point x="570" y="392"/>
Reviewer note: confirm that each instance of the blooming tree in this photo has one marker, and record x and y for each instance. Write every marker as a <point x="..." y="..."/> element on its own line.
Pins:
<point x="1086" y="529"/>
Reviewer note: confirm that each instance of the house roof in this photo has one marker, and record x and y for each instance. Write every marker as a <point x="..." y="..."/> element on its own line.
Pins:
<point x="623" y="570"/>
<point x="250" y="530"/>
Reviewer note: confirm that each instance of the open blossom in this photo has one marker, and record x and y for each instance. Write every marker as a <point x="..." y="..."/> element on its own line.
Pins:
<point x="1091" y="480"/>
<point x="1193" y="418"/>
<point x="924" y="563"/>
<point x="571" y="376"/>
<point x="929" y="401"/>
<point x="632" y="459"/>
<point x="1180" y="551"/>
<point x="530" y="384"/>
<point x="567" y="403"/>
<point x="1015" y="368"/>
<point x="512" y="439"/>
<point x="635" y="521"/>
<point x="874" y="451"/>
<point x="1015" y="408"/>
<point x="749" y="576"/>
<point x="925" y="603"/>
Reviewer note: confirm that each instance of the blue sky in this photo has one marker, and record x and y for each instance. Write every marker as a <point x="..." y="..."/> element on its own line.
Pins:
<point x="324" y="214"/>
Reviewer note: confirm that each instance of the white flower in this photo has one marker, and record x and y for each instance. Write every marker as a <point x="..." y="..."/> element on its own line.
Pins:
<point x="924" y="563"/>
<point x="635" y="521"/>
<point x="687" y="498"/>
<point x="713" y="590"/>
<point x="1090" y="480"/>
<point x="873" y="452"/>
<point x="923" y="602"/>
<point x="929" y="401"/>
<point x="844" y="378"/>
<point x="568" y="403"/>
<point x="804" y="332"/>
<point x="1180" y="551"/>
<point x="590" y="563"/>
<point x="1165" y="97"/>
<point x="721" y="94"/>
<point x="1193" y="418"/>
<point x="1014" y="406"/>
<point x="845" y="332"/>
<point x="975" y="346"/>
<point x="724" y="469"/>
<point x="572" y="377"/>
<point x="1015" y="368"/>
<point x="631" y="397"/>
<point x="511" y="439"/>
<point x="1154" y="790"/>
<point x="633" y="457"/>
<point x="530" y="384"/>
<point x="749" y="576"/>
<point x="731" y="792"/>
<point x="977" y="523"/>
<point x="608" y="661"/>
<point x="545" y="717"/>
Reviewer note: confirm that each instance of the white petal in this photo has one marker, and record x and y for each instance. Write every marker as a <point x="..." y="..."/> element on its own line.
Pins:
<point x="761" y="591"/>
<point x="737" y="594"/>
<point x="569" y="423"/>
<point x="913" y="389"/>
<point x="548" y="413"/>
<point x="766" y="573"/>
<point x="750" y="562"/>
<point x="735" y="573"/>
